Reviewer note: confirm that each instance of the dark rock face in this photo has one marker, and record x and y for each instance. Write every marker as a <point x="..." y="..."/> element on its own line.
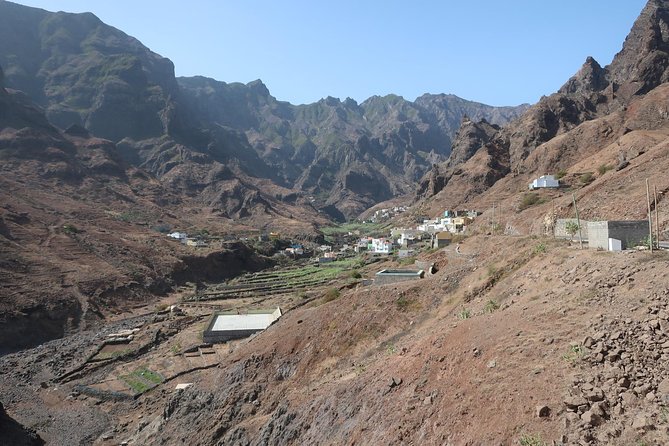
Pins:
<point x="643" y="62"/>
<point x="85" y="72"/>
<point x="13" y="433"/>
<point x="470" y="137"/>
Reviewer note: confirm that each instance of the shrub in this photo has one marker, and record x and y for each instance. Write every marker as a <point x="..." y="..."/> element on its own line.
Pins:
<point x="540" y="248"/>
<point x="70" y="229"/>
<point x="571" y="228"/>
<point x="491" y="306"/>
<point x="586" y="178"/>
<point x="531" y="440"/>
<point x="529" y="199"/>
<point x="163" y="228"/>
<point x="464" y="313"/>
<point x="602" y="169"/>
<point x="331" y="294"/>
<point x="561" y="173"/>
<point x="575" y="353"/>
<point x="355" y="274"/>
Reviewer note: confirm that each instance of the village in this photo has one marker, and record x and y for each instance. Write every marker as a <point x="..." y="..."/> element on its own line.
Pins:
<point x="208" y="320"/>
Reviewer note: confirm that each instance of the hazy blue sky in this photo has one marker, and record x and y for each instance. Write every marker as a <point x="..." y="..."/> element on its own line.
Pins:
<point x="500" y="52"/>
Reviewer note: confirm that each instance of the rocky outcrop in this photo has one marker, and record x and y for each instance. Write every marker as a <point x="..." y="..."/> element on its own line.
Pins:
<point x="643" y="62"/>
<point x="12" y="432"/>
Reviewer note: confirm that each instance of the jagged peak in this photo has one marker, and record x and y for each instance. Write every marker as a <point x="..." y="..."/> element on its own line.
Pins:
<point x="258" y="87"/>
<point x="591" y="77"/>
<point x="644" y="58"/>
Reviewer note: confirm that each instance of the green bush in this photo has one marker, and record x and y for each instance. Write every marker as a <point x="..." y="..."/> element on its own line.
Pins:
<point x="586" y="178"/>
<point x="331" y="294"/>
<point x="530" y="199"/>
<point x="71" y="229"/>
<point x="464" y="313"/>
<point x="531" y="440"/>
<point x="602" y="169"/>
<point x="540" y="248"/>
<point x="571" y="228"/>
<point x="561" y="173"/>
<point x="491" y="306"/>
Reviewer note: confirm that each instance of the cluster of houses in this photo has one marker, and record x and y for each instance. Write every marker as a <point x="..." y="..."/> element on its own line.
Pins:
<point x="386" y="214"/>
<point x="439" y="231"/>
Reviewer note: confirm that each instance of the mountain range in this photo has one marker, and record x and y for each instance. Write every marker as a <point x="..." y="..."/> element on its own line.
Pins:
<point x="198" y="134"/>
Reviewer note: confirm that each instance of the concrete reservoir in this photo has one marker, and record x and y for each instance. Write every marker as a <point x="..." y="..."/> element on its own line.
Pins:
<point x="387" y="276"/>
<point x="225" y="326"/>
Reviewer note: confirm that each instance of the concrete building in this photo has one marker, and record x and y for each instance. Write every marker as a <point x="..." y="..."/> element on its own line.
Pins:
<point x="388" y="276"/>
<point x="224" y="326"/>
<point x="604" y="234"/>
<point x="544" y="182"/>
<point x="380" y="246"/>
<point x="178" y="235"/>
<point x="442" y="239"/>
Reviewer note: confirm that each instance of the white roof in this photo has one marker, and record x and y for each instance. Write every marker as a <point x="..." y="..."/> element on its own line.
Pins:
<point x="225" y="322"/>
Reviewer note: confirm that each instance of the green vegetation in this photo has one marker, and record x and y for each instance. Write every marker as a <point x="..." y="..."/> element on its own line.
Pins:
<point x="571" y="228"/>
<point x="531" y="440"/>
<point x="560" y="174"/>
<point x="355" y="274"/>
<point x="530" y="199"/>
<point x="70" y="229"/>
<point x="540" y="248"/>
<point x="330" y="295"/>
<point x="163" y="228"/>
<point x="132" y="216"/>
<point x="575" y="353"/>
<point x="491" y="306"/>
<point x="586" y="178"/>
<point x="602" y="169"/>
<point x="464" y="313"/>
<point x="141" y="380"/>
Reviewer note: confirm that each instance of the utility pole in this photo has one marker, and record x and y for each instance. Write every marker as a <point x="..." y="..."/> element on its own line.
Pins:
<point x="650" y="218"/>
<point x="657" y="219"/>
<point x="578" y="221"/>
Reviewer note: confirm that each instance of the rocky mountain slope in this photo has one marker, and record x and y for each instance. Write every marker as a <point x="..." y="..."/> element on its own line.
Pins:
<point x="342" y="156"/>
<point x="549" y="136"/>
<point x="80" y="230"/>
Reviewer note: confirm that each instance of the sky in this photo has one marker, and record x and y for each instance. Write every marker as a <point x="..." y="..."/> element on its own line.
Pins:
<point x="499" y="52"/>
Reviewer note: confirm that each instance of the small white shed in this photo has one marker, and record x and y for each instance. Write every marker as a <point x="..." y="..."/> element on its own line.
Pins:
<point x="544" y="181"/>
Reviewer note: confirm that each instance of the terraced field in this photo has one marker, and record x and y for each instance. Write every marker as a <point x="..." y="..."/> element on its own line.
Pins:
<point x="279" y="281"/>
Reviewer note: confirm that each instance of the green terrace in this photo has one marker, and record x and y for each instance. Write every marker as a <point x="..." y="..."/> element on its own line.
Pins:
<point x="279" y="281"/>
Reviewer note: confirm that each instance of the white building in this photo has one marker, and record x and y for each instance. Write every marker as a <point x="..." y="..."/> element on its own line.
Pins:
<point x="178" y="235"/>
<point x="543" y="182"/>
<point x="381" y="246"/>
